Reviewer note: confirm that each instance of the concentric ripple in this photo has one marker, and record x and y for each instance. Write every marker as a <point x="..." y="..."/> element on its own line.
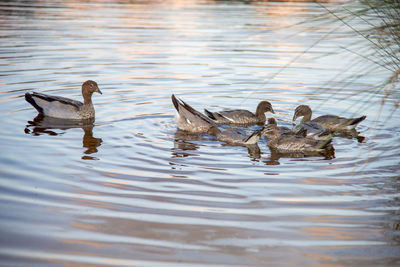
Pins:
<point x="132" y="190"/>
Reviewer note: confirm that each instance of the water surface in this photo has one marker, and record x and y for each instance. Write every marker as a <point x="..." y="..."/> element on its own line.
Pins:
<point x="132" y="190"/>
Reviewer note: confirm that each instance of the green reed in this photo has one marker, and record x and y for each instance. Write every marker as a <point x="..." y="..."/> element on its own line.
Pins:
<point x="377" y="22"/>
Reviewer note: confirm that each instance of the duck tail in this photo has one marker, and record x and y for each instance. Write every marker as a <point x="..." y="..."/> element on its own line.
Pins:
<point x="210" y="115"/>
<point x="254" y="137"/>
<point x="185" y="109"/>
<point x="179" y="103"/>
<point x="190" y="109"/>
<point x="174" y="101"/>
<point x="30" y="100"/>
<point x="358" y="120"/>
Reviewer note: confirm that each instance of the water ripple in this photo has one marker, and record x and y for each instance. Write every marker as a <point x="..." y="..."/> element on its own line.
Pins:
<point x="134" y="190"/>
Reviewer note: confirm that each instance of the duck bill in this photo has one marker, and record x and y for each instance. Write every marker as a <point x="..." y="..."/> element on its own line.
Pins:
<point x="98" y="91"/>
<point x="294" y="118"/>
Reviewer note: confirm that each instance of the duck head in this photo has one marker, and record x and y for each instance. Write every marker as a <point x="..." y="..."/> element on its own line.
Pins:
<point x="302" y="111"/>
<point x="272" y="121"/>
<point x="264" y="106"/>
<point x="271" y="130"/>
<point x="88" y="88"/>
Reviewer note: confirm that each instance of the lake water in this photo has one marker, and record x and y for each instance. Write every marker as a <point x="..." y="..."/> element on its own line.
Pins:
<point x="132" y="190"/>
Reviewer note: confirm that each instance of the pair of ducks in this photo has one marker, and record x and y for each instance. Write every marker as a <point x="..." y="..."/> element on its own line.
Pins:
<point x="305" y="137"/>
<point x="308" y="137"/>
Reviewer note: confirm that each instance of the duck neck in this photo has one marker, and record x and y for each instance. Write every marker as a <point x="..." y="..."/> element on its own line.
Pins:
<point x="260" y="114"/>
<point x="87" y="100"/>
<point x="260" y="110"/>
<point x="87" y="95"/>
<point x="306" y="117"/>
<point x="88" y="110"/>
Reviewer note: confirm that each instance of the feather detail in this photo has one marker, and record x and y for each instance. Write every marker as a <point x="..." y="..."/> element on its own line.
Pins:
<point x="65" y="108"/>
<point x="241" y="116"/>
<point x="189" y="119"/>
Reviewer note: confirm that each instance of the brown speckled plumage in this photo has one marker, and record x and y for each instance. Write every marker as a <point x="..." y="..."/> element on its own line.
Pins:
<point x="234" y="136"/>
<point x="241" y="116"/>
<point x="293" y="143"/>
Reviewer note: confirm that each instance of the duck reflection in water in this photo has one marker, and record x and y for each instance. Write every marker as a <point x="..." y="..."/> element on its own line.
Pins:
<point x="275" y="156"/>
<point x="350" y="134"/>
<point x="185" y="141"/>
<point x="47" y="125"/>
<point x="183" y="144"/>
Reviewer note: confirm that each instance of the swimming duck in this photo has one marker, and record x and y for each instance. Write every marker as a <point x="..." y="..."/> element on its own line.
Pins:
<point x="282" y="129"/>
<point x="329" y="122"/>
<point x="65" y="108"/>
<point x="241" y="116"/>
<point x="293" y="143"/>
<point x="235" y="137"/>
<point x="189" y="119"/>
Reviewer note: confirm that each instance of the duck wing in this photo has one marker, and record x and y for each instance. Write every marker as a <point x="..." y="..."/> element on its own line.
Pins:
<point x="34" y="96"/>
<point x="237" y="116"/>
<point x="333" y="123"/>
<point x="295" y="143"/>
<point x="50" y="105"/>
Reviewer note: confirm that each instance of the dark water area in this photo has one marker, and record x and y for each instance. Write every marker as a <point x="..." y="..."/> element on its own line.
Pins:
<point x="132" y="190"/>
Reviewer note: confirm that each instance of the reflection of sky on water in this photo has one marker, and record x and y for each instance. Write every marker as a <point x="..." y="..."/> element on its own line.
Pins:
<point x="153" y="195"/>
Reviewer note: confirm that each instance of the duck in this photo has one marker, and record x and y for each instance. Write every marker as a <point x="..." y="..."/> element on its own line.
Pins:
<point x="190" y="120"/>
<point x="241" y="116"/>
<point x="65" y="108"/>
<point x="294" y="143"/>
<point x="282" y="129"/>
<point x="235" y="137"/>
<point x="329" y="122"/>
